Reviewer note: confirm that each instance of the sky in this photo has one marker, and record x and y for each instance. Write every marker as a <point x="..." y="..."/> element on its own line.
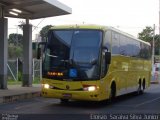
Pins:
<point x="130" y="16"/>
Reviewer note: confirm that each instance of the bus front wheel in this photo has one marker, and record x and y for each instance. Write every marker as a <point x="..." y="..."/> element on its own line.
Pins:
<point x="112" y="92"/>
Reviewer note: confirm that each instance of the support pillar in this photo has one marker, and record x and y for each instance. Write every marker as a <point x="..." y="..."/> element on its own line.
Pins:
<point x="3" y="52"/>
<point x="27" y="55"/>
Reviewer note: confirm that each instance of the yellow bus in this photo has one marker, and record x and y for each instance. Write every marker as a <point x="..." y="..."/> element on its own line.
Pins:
<point x="93" y="63"/>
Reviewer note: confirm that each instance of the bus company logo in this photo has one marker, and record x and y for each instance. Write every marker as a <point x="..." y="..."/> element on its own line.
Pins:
<point x="67" y="87"/>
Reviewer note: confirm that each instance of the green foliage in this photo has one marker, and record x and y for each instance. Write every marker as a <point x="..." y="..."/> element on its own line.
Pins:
<point x="19" y="76"/>
<point x="147" y="35"/>
<point x="13" y="82"/>
<point x="14" y="51"/>
<point x="157" y="44"/>
<point x="36" y="80"/>
<point x="15" y="45"/>
<point x="15" y="39"/>
<point x="44" y="32"/>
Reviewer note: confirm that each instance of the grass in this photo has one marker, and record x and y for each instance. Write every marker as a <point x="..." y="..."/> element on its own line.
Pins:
<point x="13" y="82"/>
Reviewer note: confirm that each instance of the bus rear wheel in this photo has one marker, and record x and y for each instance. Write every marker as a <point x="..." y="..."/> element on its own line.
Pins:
<point x="141" y="87"/>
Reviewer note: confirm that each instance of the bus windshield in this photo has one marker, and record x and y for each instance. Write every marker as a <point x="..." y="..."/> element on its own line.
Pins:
<point x="72" y="54"/>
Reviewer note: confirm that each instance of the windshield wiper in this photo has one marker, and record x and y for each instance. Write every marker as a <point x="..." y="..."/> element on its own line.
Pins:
<point x="52" y="55"/>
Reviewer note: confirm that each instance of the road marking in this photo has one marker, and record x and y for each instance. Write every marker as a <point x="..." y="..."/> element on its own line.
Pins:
<point x="150" y="101"/>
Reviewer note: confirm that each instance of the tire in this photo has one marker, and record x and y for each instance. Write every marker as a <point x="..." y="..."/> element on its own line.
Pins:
<point x="143" y="86"/>
<point x="112" y="93"/>
<point x="140" y="90"/>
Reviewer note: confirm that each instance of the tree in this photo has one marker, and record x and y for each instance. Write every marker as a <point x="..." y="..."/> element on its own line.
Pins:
<point x="157" y="44"/>
<point x="14" y="51"/>
<point x="15" y="39"/>
<point x="44" y="32"/>
<point x="15" y="45"/>
<point x="147" y="35"/>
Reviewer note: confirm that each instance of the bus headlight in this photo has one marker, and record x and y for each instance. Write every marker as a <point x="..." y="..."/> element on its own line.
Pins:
<point x="46" y="86"/>
<point x="90" y="88"/>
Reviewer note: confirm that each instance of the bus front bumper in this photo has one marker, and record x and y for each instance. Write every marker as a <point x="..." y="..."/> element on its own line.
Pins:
<point x="74" y="95"/>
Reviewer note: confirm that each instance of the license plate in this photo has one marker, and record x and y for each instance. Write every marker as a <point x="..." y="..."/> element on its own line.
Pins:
<point x="67" y="95"/>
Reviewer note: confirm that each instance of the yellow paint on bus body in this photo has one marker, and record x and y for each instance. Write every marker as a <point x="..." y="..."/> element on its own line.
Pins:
<point x="124" y="71"/>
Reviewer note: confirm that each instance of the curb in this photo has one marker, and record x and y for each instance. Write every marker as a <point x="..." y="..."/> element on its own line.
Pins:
<point x="13" y="98"/>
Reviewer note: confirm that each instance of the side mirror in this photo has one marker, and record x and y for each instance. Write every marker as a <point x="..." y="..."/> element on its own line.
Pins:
<point x="108" y="57"/>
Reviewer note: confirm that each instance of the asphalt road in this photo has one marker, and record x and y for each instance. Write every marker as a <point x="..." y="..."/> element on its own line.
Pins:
<point x="131" y="106"/>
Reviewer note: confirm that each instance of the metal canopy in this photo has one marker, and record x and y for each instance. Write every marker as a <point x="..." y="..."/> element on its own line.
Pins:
<point x="33" y="9"/>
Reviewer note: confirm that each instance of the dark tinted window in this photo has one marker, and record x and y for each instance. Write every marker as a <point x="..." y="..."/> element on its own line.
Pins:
<point x="129" y="47"/>
<point x="87" y="38"/>
<point x="107" y="40"/>
<point x="123" y="45"/>
<point x="145" y="51"/>
<point x="115" y="43"/>
<point x="73" y="53"/>
<point x="134" y="48"/>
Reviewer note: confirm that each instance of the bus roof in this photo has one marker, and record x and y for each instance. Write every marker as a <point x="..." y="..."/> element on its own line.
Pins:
<point x="97" y="27"/>
<point x="80" y="26"/>
<point x="128" y="35"/>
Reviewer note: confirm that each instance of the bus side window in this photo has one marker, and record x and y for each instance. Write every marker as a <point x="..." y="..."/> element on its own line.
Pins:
<point x="122" y="48"/>
<point x="107" y="40"/>
<point x="115" y="43"/>
<point x="106" y="47"/>
<point x="128" y="47"/>
<point x="136" y="49"/>
<point x="147" y="52"/>
<point x="142" y="51"/>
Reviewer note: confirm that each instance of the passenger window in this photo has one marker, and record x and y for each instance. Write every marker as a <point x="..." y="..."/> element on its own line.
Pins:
<point x="115" y="43"/>
<point x="123" y="45"/>
<point x="107" y="40"/>
<point x="136" y="49"/>
<point x="129" y="47"/>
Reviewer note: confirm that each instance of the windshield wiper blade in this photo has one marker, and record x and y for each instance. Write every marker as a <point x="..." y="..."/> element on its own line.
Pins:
<point x="52" y="55"/>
